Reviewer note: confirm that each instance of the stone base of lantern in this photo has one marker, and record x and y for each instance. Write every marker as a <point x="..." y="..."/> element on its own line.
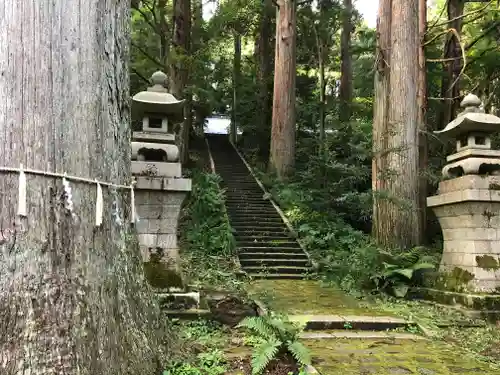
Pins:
<point x="158" y="203"/>
<point x="468" y="210"/>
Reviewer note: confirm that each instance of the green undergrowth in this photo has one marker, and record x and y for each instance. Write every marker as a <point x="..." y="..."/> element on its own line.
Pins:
<point x="473" y="335"/>
<point x="199" y="350"/>
<point x="206" y="237"/>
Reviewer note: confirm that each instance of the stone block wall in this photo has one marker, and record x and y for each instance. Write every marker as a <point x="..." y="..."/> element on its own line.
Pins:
<point x="468" y="210"/>
<point x="158" y="212"/>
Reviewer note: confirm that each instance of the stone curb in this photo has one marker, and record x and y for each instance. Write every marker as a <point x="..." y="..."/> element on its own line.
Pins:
<point x="349" y="322"/>
<point x="360" y="335"/>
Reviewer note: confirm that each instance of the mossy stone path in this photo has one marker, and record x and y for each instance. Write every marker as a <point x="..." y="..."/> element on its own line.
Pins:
<point x="362" y="356"/>
<point x="392" y="357"/>
<point x="304" y="297"/>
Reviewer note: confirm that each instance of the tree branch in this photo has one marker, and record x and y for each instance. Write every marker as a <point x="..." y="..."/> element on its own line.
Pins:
<point x="145" y="17"/>
<point x="461" y="16"/>
<point x="482" y="35"/>
<point x="151" y="58"/>
<point x="136" y="72"/>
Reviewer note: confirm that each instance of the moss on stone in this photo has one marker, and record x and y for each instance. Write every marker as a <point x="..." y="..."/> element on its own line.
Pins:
<point x="494" y="186"/>
<point x="299" y="297"/>
<point x="488" y="262"/>
<point x="387" y="356"/>
<point x="456" y="280"/>
<point x="159" y="275"/>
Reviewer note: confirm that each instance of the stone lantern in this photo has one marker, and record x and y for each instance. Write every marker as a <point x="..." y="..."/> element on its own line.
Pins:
<point x="160" y="188"/>
<point x="468" y="202"/>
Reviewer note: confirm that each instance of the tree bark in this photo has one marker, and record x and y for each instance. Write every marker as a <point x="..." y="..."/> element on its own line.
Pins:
<point x="380" y="119"/>
<point x="73" y="298"/>
<point x="179" y="68"/>
<point x="282" y="153"/>
<point x="236" y="82"/>
<point x="163" y="29"/>
<point x="264" y="77"/>
<point x="322" y="91"/>
<point x="450" y="85"/>
<point x="345" y="92"/>
<point x="402" y="222"/>
<point x="422" y="117"/>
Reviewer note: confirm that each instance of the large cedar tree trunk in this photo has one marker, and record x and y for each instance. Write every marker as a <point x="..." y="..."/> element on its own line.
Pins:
<point x="73" y="298"/>
<point x="265" y="78"/>
<point x="179" y="69"/>
<point x="450" y="85"/>
<point x="402" y="222"/>
<point x="380" y="120"/>
<point x="422" y="115"/>
<point x="282" y="156"/>
<point x="346" y="63"/>
<point x="236" y="82"/>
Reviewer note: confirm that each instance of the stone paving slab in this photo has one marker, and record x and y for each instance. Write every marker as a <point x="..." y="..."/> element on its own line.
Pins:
<point x="356" y="322"/>
<point x="360" y="335"/>
<point x="308" y="297"/>
<point x="386" y="356"/>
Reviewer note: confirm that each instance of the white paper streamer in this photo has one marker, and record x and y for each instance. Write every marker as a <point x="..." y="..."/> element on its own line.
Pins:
<point x="132" y="204"/>
<point x="69" y="195"/>
<point x="21" y="203"/>
<point x="99" y="204"/>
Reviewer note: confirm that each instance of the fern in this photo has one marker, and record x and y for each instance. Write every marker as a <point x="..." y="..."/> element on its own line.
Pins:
<point x="299" y="352"/>
<point x="275" y="334"/>
<point x="264" y="354"/>
<point x="258" y="326"/>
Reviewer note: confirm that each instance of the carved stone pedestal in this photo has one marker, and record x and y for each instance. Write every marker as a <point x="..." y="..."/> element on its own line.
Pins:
<point x="468" y="210"/>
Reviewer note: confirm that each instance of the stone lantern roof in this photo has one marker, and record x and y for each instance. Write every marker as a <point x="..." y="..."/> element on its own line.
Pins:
<point x="157" y="100"/>
<point x="472" y="119"/>
<point x="472" y="130"/>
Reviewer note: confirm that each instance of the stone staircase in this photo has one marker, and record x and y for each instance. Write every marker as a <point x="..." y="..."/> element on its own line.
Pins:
<point x="266" y="247"/>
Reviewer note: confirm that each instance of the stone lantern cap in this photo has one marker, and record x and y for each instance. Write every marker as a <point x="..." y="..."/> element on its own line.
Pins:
<point x="472" y="119"/>
<point x="157" y="99"/>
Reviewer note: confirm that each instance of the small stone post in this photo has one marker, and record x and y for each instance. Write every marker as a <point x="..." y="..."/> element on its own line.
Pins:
<point x="468" y="203"/>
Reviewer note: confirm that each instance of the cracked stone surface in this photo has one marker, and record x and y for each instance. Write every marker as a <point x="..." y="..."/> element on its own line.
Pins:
<point x="392" y="357"/>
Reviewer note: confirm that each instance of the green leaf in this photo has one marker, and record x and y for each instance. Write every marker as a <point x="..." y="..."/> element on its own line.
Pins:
<point x="406" y="272"/>
<point x="400" y="290"/>
<point x="300" y="352"/>
<point x="263" y="355"/>
<point x="420" y="266"/>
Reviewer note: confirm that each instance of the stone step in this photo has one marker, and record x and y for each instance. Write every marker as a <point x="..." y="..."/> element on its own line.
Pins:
<point x="254" y="218"/>
<point x="349" y="322"/>
<point x="263" y="232"/>
<point x="252" y="210"/>
<point x="270" y="249"/>
<point x="270" y="262"/>
<point x="291" y="270"/>
<point x="247" y="202"/>
<point x="240" y="221"/>
<point x="260" y="255"/>
<point x="276" y="276"/>
<point x="268" y="245"/>
<point x="266" y="227"/>
<point x="262" y="238"/>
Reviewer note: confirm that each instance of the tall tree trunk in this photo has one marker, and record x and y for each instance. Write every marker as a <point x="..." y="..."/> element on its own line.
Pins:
<point x="422" y="118"/>
<point x="236" y="83"/>
<point x="282" y="154"/>
<point x="380" y="118"/>
<point x="73" y="298"/>
<point x="322" y="91"/>
<point x="163" y="30"/>
<point x="179" y="69"/>
<point x="346" y="63"/>
<point x="450" y="85"/>
<point x="402" y="221"/>
<point x="264" y="76"/>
